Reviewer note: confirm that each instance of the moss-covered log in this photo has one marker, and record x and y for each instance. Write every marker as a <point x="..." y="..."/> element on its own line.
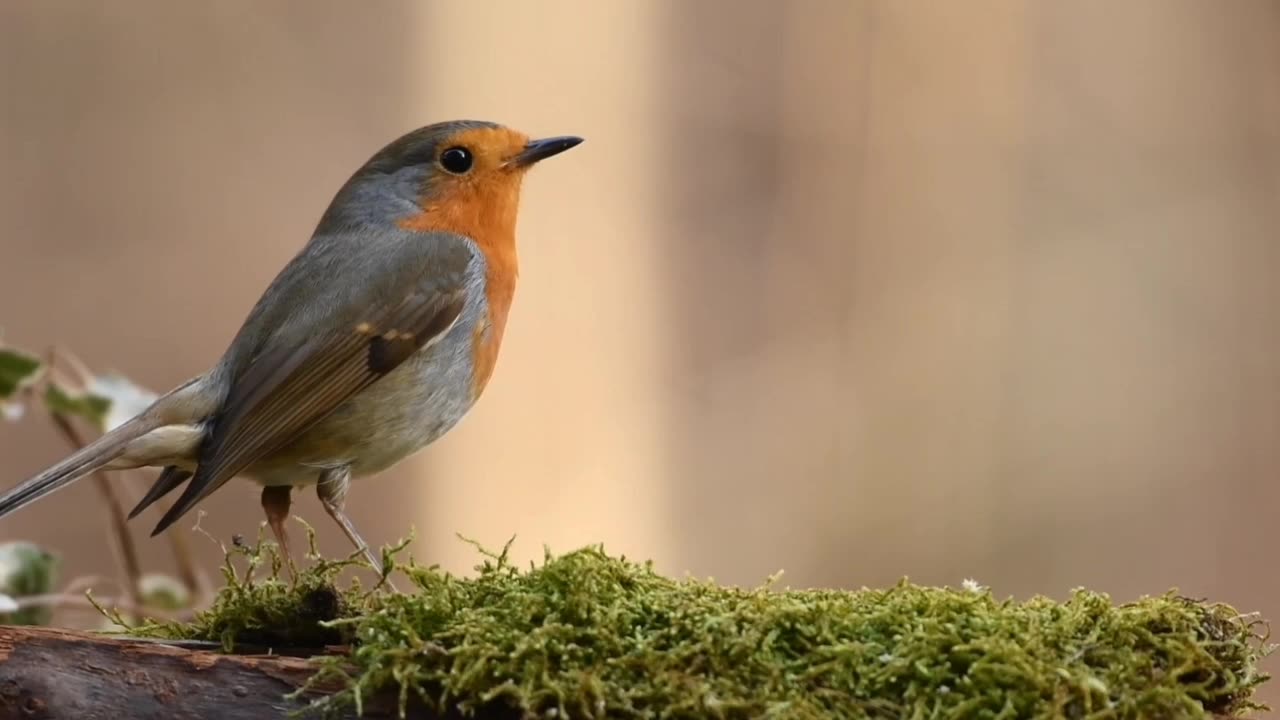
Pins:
<point x="48" y="673"/>
<point x="592" y="636"/>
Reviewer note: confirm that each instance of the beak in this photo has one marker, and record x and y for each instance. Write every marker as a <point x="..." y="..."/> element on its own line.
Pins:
<point x="542" y="149"/>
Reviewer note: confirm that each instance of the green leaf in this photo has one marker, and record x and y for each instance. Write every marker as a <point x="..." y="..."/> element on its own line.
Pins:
<point x="26" y="569"/>
<point x="126" y="399"/>
<point x="17" y="371"/>
<point x="67" y="401"/>
<point x="109" y="401"/>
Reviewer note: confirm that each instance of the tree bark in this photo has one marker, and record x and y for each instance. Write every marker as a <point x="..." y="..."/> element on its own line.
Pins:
<point x="60" y="674"/>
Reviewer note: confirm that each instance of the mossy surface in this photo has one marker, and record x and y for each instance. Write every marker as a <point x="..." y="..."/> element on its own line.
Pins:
<point x="589" y="635"/>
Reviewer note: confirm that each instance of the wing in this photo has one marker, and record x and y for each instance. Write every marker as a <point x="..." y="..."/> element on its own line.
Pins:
<point x="383" y="302"/>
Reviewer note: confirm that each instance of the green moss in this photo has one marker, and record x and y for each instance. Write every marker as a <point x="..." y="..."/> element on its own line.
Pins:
<point x="588" y="635"/>
<point x="267" y="608"/>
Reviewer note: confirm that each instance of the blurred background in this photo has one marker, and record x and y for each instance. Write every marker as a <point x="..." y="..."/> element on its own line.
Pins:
<point x="850" y="289"/>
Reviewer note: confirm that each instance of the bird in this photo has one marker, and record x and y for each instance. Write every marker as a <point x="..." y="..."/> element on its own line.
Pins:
<point x="372" y="342"/>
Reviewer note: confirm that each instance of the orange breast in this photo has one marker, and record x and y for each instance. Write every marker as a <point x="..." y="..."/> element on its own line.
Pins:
<point x="486" y="213"/>
<point x="486" y="339"/>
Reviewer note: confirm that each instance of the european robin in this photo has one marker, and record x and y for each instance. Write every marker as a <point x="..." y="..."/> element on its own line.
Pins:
<point x="372" y="342"/>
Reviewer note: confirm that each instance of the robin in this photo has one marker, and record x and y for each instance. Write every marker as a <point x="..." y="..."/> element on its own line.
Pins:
<point x="371" y="343"/>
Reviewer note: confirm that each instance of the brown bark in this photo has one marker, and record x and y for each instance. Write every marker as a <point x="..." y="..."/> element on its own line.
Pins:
<point x="59" y="674"/>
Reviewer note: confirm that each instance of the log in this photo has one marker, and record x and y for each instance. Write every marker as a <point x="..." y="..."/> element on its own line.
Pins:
<point x="58" y="674"/>
<point x="62" y="674"/>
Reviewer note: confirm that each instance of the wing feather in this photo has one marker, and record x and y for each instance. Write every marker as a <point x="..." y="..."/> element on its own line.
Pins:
<point x="292" y="386"/>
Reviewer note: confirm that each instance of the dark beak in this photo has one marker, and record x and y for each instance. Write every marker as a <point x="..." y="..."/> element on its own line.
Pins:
<point x="542" y="149"/>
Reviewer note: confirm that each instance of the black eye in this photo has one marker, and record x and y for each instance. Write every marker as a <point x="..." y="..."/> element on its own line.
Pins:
<point x="456" y="160"/>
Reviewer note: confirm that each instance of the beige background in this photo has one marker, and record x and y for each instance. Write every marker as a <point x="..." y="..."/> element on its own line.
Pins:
<point x="851" y="289"/>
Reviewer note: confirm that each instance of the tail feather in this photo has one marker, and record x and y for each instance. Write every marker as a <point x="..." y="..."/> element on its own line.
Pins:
<point x="177" y="410"/>
<point x="91" y="457"/>
<point x="170" y="478"/>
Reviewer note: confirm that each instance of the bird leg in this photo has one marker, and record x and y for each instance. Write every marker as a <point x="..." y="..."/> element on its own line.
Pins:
<point x="332" y="491"/>
<point x="275" y="503"/>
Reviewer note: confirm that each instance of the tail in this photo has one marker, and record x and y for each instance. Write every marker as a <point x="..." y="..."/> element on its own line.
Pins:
<point x="80" y="463"/>
<point x="183" y="403"/>
<point x="170" y="479"/>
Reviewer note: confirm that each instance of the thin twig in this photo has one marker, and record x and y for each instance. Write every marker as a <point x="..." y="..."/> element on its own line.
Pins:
<point x="51" y="373"/>
<point x="196" y="528"/>
<point x="119" y="524"/>
<point x="63" y="600"/>
<point x="76" y="364"/>
<point x="83" y="583"/>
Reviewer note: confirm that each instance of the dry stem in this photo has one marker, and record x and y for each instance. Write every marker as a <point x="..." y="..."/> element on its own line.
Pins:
<point x="119" y="521"/>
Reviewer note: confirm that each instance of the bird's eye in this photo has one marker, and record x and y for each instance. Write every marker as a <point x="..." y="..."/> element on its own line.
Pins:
<point x="456" y="160"/>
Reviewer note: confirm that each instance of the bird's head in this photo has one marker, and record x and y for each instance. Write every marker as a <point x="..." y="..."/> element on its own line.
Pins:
<point x="460" y="176"/>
